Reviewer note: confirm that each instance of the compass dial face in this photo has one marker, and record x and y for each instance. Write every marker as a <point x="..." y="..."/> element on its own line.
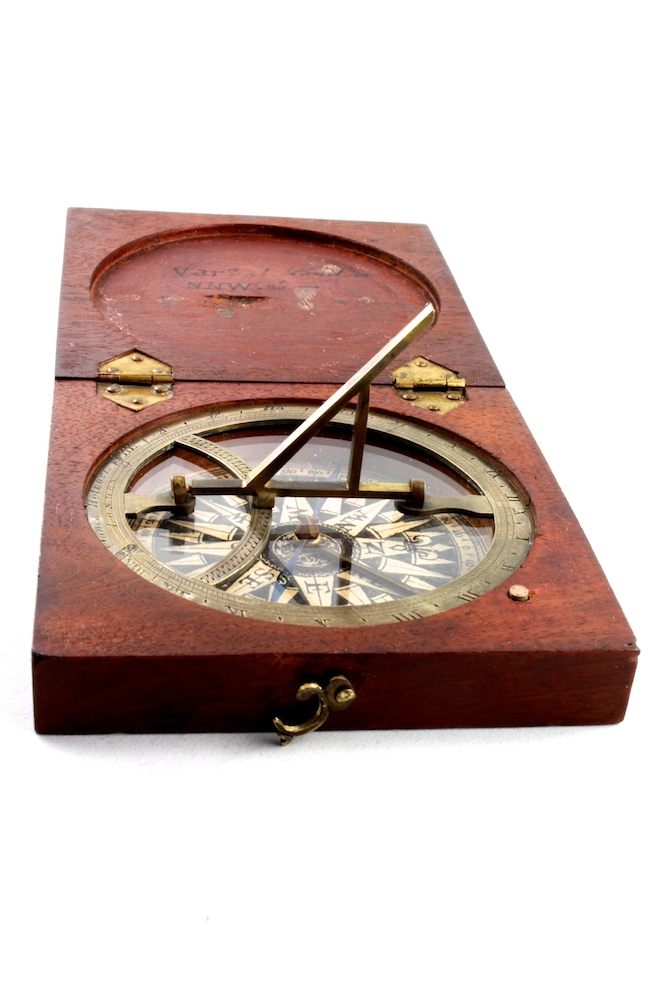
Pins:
<point x="329" y="560"/>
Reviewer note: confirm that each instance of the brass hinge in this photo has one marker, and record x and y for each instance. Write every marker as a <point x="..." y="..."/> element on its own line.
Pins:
<point x="423" y="383"/>
<point x="135" y="380"/>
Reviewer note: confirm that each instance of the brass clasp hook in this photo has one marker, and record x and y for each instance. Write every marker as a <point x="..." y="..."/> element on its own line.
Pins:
<point x="336" y="696"/>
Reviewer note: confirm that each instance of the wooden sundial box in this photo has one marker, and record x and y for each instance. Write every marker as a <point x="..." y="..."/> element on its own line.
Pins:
<point x="407" y="557"/>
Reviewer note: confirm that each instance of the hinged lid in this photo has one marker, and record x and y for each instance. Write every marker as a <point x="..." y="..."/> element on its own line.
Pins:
<point x="134" y="380"/>
<point x="136" y="368"/>
<point x="420" y="373"/>
<point x="429" y="386"/>
<point x="227" y="298"/>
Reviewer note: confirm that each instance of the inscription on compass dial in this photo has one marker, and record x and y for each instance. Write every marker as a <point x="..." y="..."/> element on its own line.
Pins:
<point x="361" y="559"/>
<point x="366" y="552"/>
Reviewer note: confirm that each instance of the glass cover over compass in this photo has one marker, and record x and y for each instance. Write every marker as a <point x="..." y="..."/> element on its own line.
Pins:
<point x="320" y="516"/>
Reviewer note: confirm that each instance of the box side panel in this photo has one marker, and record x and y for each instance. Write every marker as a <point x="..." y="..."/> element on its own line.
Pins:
<point x="238" y="694"/>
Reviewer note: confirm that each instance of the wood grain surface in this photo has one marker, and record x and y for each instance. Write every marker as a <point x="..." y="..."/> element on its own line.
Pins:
<point x="106" y="639"/>
<point x="218" y="297"/>
<point x="114" y="652"/>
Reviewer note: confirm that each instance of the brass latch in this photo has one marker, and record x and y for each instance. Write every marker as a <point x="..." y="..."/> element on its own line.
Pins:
<point x="335" y="696"/>
<point x="423" y="383"/>
<point x="135" y="380"/>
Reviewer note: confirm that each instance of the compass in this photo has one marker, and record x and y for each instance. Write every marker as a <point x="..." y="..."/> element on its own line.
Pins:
<point x="293" y="490"/>
<point x="324" y="530"/>
<point x="360" y="558"/>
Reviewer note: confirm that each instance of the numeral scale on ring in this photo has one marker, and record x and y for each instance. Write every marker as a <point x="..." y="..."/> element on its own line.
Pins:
<point x="264" y="540"/>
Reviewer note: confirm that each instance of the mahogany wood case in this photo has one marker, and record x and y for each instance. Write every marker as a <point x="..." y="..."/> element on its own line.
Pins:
<point x="115" y="653"/>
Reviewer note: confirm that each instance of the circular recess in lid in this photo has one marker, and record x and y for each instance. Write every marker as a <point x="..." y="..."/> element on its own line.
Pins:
<point x="241" y="302"/>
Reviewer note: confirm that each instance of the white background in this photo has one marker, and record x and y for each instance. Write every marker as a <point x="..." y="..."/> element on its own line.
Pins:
<point x="522" y="864"/>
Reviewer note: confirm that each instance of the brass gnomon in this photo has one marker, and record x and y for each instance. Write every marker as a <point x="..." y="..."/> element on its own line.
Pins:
<point x="261" y="490"/>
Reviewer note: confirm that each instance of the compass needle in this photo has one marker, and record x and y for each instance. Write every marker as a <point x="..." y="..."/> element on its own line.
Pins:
<point x="203" y="531"/>
<point x="397" y="528"/>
